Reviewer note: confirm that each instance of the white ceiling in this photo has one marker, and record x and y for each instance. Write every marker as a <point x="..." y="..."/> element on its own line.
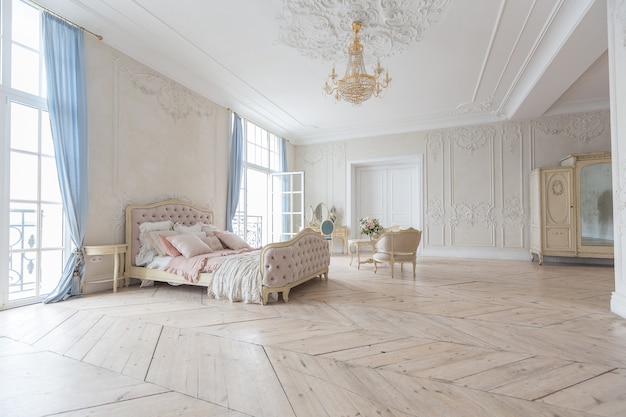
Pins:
<point x="475" y="61"/>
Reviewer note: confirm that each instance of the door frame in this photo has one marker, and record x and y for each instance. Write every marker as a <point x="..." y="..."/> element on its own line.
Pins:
<point x="351" y="166"/>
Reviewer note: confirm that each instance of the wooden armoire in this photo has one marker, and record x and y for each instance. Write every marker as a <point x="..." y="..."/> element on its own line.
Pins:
<point x="571" y="208"/>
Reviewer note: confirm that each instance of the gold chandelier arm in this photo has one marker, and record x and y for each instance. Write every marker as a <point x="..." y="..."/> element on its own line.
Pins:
<point x="357" y="85"/>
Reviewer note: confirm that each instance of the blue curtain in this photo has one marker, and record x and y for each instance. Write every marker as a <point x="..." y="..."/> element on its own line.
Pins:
<point x="235" y="170"/>
<point x="67" y="106"/>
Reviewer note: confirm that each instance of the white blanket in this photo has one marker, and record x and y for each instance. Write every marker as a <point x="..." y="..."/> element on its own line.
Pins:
<point x="238" y="279"/>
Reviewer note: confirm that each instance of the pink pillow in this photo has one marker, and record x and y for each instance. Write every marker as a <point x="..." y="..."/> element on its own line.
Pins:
<point x="231" y="240"/>
<point x="169" y="249"/>
<point x="189" y="245"/>
<point x="157" y="241"/>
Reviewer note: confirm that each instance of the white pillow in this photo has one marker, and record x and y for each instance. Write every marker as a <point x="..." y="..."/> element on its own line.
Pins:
<point x="150" y="226"/>
<point x="146" y="249"/>
<point x="232" y="241"/>
<point x="209" y="229"/>
<point x="179" y="227"/>
<point x="189" y="245"/>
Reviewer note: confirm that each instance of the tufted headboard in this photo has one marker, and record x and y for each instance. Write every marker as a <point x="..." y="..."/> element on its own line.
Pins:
<point x="174" y="210"/>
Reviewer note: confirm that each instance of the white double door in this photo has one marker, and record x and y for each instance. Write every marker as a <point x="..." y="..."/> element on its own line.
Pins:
<point x="390" y="193"/>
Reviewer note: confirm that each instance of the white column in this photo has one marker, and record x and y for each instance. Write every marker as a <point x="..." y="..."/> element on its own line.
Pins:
<point x="616" y="11"/>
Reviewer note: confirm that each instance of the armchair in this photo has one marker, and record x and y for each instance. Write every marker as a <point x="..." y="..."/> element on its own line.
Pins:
<point x="400" y="247"/>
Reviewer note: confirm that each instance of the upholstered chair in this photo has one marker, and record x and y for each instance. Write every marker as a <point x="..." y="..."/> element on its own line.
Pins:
<point x="327" y="228"/>
<point x="397" y="247"/>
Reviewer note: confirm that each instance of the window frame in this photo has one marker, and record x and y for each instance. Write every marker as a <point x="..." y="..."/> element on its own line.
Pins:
<point x="10" y="96"/>
<point x="261" y="154"/>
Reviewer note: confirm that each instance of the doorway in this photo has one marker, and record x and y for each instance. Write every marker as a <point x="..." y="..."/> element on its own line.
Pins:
<point x="389" y="190"/>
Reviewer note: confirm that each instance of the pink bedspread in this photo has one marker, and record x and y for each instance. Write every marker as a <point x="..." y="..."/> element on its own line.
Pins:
<point x="191" y="268"/>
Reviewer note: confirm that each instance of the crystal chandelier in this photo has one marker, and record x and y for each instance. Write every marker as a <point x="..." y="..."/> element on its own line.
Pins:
<point x="357" y="85"/>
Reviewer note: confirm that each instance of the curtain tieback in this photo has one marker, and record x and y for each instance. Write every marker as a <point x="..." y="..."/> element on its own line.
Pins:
<point x="79" y="256"/>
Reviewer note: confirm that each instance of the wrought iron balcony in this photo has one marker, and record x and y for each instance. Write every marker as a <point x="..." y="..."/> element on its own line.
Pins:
<point x="22" y="257"/>
<point x="250" y="228"/>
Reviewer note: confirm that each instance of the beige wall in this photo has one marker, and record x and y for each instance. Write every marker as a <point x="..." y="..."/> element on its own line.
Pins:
<point x="149" y="139"/>
<point x="475" y="178"/>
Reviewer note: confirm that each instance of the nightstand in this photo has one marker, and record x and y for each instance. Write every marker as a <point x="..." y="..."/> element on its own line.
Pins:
<point x="119" y="261"/>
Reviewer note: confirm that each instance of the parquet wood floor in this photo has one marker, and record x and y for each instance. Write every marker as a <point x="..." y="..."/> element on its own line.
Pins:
<point x="467" y="338"/>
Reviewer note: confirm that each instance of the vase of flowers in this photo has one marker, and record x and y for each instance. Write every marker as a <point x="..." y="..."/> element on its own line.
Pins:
<point x="369" y="227"/>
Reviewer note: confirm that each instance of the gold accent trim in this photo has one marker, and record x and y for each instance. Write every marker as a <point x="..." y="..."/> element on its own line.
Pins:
<point x="95" y="35"/>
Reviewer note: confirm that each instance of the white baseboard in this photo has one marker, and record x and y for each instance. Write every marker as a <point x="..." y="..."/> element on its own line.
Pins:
<point x="618" y="304"/>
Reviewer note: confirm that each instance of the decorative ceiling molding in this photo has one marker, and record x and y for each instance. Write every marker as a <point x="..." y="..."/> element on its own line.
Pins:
<point x="323" y="29"/>
<point x="485" y="106"/>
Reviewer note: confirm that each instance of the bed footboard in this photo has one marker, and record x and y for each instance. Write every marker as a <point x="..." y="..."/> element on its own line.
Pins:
<point x="285" y="265"/>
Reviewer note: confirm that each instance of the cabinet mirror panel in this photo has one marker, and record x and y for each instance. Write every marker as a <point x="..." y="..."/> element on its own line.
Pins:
<point x="596" y="205"/>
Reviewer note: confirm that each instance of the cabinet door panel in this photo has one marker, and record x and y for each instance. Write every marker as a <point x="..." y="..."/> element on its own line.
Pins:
<point x="558" y="210"/>
<point x="558" y="238"/>
<point x="559" y="198"/>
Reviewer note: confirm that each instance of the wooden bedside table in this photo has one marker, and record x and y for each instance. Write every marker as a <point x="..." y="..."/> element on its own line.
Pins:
<point x="119" y="261"/>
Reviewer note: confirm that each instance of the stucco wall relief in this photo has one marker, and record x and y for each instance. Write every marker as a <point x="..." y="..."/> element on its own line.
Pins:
<point x="582" y="126"/>
<point x="177" y="101"/>
<point x="513" y="213"/>
<point x="471" y="214"/>
<point x="472" y="138"/>
<point x="435" y="144"/>
<point x="435" y="214"/>
<point x="512" y="136"/>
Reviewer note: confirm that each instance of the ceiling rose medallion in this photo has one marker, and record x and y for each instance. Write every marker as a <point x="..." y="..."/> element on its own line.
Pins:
<point x="321" y="30"/>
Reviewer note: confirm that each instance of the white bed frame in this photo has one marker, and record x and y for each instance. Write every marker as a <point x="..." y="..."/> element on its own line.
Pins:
<point x="189" y="214"/>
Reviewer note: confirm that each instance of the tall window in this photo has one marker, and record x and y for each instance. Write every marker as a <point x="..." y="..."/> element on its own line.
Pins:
<point x="32" y="231"/>
<point x="262" y="157"/>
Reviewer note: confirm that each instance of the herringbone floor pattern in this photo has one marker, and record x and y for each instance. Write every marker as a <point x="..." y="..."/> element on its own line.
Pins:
<point x="464" y="338"/>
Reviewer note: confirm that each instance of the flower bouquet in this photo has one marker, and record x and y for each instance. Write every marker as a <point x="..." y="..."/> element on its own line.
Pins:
<point x="369" y="226"/>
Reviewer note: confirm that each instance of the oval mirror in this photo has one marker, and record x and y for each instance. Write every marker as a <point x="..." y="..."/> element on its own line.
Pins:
<point x="321" y="212"/>
<point x="309" y="215"/>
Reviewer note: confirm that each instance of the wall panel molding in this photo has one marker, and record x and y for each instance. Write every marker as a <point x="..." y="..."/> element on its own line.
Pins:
<point x="476" y="196"/>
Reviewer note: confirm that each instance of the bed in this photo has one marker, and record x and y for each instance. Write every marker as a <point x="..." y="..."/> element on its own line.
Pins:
<point x="236" y="273"/>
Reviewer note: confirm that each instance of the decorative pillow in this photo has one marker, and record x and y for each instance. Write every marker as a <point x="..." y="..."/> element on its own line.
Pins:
<point x="146" y="248"/>
<point x="213" y="242"/>
<point x="231" y="240"/>
<point x="169" y="249"/>
<point x="209" y="229"/>
<point x="179" y="227"/>
<point x="150" y="226"/>
<point x="157" y="242"/>
<point x="189" y="245"/>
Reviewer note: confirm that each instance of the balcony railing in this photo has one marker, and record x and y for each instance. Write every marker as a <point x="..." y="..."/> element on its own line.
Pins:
<point x="21" y="256"/>
<point x="250" y="228"/>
